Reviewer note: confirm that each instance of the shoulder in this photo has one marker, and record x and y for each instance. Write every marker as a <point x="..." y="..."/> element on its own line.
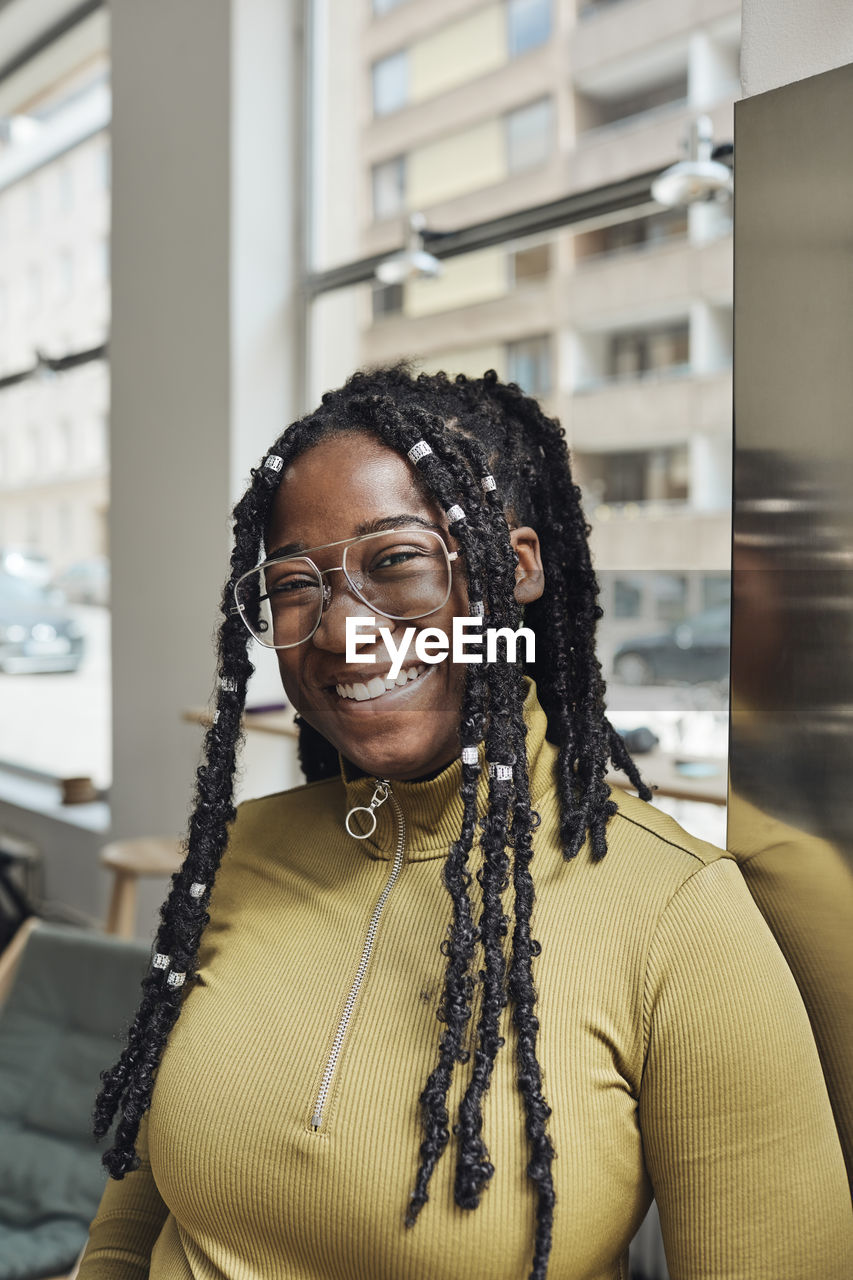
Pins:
<point x="637" y="824"/>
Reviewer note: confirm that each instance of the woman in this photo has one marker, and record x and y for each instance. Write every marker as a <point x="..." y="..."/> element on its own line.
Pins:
<point x="306" y="1111"/>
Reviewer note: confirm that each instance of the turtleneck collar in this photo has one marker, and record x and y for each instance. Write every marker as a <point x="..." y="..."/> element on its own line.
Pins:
<point x="433" y="810"/>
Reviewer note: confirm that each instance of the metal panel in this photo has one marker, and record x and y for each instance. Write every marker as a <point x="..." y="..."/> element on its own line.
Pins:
<point x="791" y="756"/>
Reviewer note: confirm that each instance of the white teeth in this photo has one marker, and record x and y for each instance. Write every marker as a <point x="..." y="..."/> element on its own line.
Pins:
<point x="378" y="685"/>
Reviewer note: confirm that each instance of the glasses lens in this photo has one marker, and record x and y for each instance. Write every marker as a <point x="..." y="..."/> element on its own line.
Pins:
<point x="281" y="602"/>
<point x="402" y="574"/>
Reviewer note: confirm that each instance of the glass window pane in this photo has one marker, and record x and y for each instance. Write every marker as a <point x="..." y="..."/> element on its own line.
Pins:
<point x="391" y="83"/>
<point x="529" y="135"/>
<point x="389" y="187"/>
<point x="529" y="364"/>
<point x="529" y="24"/>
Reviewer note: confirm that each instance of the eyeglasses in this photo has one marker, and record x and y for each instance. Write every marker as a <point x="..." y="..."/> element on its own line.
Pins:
<point x="398" y="573"/>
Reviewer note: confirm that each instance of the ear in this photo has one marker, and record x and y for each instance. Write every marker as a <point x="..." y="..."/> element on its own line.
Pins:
<point x="529" y="574"/>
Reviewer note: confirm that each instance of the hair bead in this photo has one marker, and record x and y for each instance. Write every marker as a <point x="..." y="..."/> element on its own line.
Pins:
<point x="488" y="483"/>
<point x="197" y="889"/>
<point x="228" y="684"/>
<point x="500" y="772"/>
<point x="470" y="755"/>
<point x="160" y="960"/>
<point x="176" y="979"/>
<point x="273" y="462"/>
<point x="418" y="451"/>
<point x="454" y="514"/>
<point x="476" y="608"/>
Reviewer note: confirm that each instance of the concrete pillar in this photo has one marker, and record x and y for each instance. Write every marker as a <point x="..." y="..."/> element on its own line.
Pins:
<point x="710" y="337"/>
<point x="204" y="351"/>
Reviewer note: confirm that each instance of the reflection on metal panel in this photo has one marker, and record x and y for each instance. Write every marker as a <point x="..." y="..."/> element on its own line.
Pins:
<point x="791" y="750"/>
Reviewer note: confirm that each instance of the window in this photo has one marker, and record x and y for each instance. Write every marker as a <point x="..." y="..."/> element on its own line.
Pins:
<point x="529" y="364"/>
<point x="529" y="135"/>
<point x="636" y="475"/>
<point x="627" y="597"/>
<point x="528" y="24"/>
<point x="66" y="274"/>
<point x="596" y="112"/>
<point x="716" y="590"/>
<point x="391" y="83"/>
<point x="669" y="592"/>
<point x="387" y="300"/>
<point x="389" y="187"/>
<point x="527" y="266"/>
<point x="633" y="353"/>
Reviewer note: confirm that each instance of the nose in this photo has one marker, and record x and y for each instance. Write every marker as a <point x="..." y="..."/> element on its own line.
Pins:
<point x="339" y="603"/>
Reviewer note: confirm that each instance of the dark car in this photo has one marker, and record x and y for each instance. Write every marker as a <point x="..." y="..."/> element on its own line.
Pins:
<point x="693" y="651"/>
<point x="37" y="633"/>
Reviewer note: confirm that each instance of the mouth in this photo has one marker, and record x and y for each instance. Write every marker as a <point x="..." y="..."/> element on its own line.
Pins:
<point x="381" y="686"/>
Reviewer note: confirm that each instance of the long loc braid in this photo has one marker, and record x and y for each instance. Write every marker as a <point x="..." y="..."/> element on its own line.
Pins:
<point x="129" y="1084"/>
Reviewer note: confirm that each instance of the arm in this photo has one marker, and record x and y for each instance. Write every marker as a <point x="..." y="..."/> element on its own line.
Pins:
<point x="737" y="1129"/>
<point x="129" y="1220"/>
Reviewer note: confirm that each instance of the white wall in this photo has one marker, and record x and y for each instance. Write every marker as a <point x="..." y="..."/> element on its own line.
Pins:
<point x="787" y="40"/>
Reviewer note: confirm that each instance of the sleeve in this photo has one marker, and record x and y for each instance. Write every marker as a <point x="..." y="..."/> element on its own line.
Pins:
<point x="129" y="1220"/>
<point x="737" y="1130"/>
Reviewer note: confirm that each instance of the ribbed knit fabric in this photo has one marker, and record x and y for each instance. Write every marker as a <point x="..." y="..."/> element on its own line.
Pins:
<point x="677" y="1058"/>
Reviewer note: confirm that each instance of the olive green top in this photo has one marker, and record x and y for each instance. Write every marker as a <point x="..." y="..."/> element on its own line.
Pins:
<point x="677" y="1058"/>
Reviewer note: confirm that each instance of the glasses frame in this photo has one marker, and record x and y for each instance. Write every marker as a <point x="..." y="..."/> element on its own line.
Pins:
<point x="237" y="608"/>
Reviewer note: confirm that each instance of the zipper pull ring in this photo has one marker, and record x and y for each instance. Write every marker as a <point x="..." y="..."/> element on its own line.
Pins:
<point x="380" y="795"/>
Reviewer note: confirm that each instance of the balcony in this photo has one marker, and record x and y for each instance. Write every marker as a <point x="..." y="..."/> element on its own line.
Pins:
<point x="627" y="36"/>
<point x="638" y="282"/>
<point x="660" y="409"/>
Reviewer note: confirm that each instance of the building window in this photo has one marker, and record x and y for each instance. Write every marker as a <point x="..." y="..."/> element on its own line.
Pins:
<point x="529" y="135"/>
<point x="387" y="300"/>
<point x="528" y="24"/>
<point x="391" y="83"/>
<point x="627" y="597"/>
<point x="529" y="364"/>
<point x="716" y="590"/>
<point x="636" y="352"/>
<point x="527" y="266"/>
<point x="636" y="475"/>
<point x="639" y="233"/>
<point x="66" y="274"/>
<point x="389" y="187"/>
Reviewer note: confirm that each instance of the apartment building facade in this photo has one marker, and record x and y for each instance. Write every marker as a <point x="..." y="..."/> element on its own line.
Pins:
<point x="462" y="110"/>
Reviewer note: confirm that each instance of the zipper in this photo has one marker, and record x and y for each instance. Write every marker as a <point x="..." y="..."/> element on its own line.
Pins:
<point x="381" y="794"/>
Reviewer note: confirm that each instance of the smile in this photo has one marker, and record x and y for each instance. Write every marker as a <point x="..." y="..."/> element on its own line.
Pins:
<point x="379" y="685"/>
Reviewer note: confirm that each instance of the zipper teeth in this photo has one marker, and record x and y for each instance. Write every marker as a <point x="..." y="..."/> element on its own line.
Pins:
<point x="319" y="1105"/>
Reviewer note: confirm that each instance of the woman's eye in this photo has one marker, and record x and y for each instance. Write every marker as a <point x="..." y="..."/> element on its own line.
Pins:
<point x="287" y="586"/>
<point x="392" y="558"/>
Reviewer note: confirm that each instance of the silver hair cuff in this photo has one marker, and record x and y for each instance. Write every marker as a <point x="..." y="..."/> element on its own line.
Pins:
<point x="418" y="451"/>
<point x="197" y="889"/>
<point x="215" y="716"/>
<point x="475" y="608"/>
<point x="228" y="683"/>
<point x="500" y="772"/>
<point x="274" y="462"/>
<point x="176" y="979"/>
<point x="470" y="755"/>
<point x="488" y="483"/>
<point x="455" y="513"/>
<point x="160" y="960"/>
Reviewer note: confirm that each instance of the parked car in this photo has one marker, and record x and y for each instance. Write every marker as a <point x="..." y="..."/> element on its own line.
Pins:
<point x="86" y="581"/>
<point x="693" y="651"/>
<point x="37" y="632"/>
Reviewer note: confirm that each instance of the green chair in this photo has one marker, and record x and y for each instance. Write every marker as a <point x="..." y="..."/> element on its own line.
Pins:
<point x="71" y="994"/>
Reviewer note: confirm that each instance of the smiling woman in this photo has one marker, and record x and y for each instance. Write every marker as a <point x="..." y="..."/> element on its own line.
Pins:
<point x="648" y="1031"/>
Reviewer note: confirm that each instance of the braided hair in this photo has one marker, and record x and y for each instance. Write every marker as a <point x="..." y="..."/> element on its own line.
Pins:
<point x="493" y="458"/>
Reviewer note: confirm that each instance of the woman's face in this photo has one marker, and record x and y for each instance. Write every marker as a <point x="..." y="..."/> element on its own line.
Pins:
<point x="341" y="488"/>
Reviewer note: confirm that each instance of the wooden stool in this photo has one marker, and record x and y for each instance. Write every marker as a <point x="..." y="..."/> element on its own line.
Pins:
<point x="128" y="860"/>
